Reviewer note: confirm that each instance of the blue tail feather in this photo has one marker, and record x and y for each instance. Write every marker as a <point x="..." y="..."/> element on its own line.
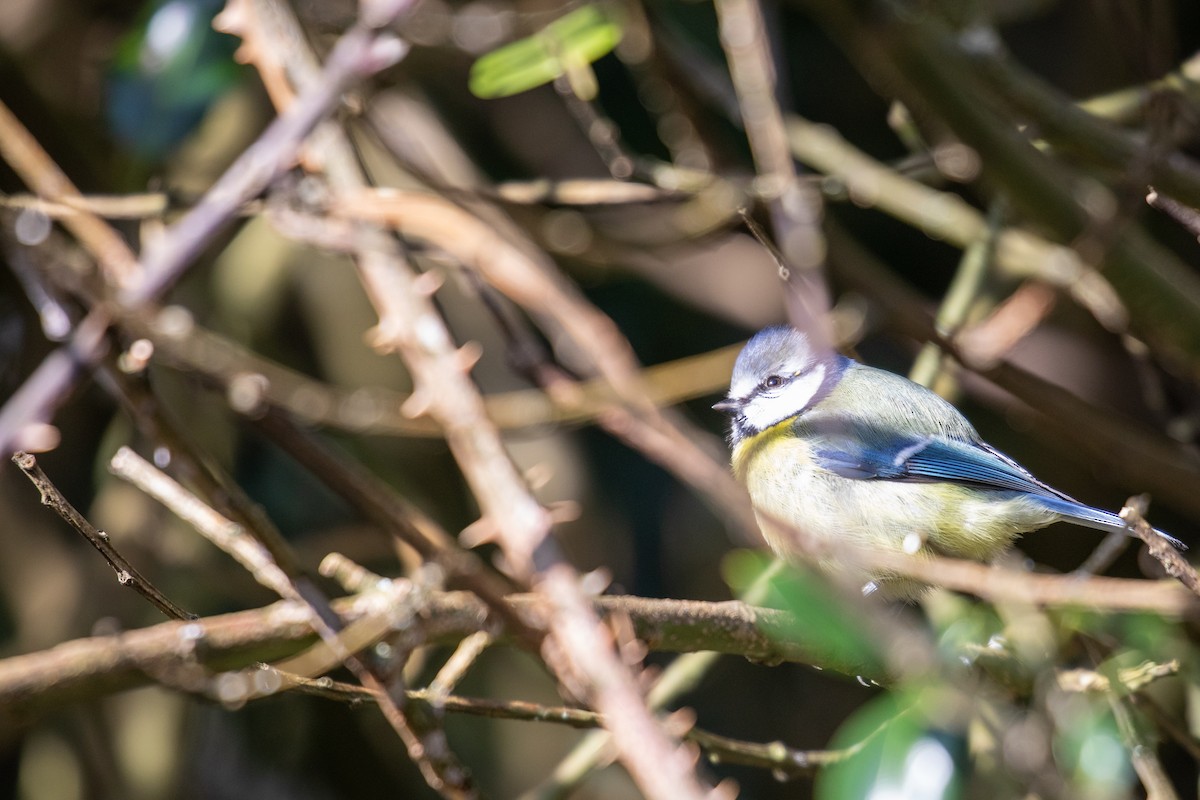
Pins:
<point x="1095" y="518"/>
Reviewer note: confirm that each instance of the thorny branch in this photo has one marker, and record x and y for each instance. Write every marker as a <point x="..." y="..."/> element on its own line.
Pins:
<point x="578" y="650"/>
<point x="359" y="53"/>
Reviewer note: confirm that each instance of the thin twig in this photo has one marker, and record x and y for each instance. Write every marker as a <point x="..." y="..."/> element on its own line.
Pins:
<point x="443" y="773"/>
<point x="784" y="761"/>
<point x="795" y="207"/>
<point x="1186" y="216"/>
<point x="1171" y="559"/>
<point x="105" y="206"/>
<point x="965" y="292"/>
<point x="1124" y="681"/>
<point x="352" y="577"/>
<point x="127" y="574"/>
<point x="40" y="173"/>
<point x="231" y="367"/>
<point x="581" y="192"/>
<point x="455" y="668"/>
<point x="218" y="529"/>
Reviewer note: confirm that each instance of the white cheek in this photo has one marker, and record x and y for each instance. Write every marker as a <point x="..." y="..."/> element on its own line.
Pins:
<point x="770" y="408"/>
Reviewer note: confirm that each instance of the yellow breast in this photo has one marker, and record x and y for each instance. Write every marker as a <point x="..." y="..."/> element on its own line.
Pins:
<point x="756" y="450"/>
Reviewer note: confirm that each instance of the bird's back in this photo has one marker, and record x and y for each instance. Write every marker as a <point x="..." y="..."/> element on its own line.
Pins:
<point x="874" y="403"/>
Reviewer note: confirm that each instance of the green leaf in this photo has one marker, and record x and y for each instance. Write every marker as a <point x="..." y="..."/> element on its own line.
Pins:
<point x="1089" y="749"/>
<point x="567" y="46"/>
<point x="823" y="624"/>
<point x="892" y="749"/>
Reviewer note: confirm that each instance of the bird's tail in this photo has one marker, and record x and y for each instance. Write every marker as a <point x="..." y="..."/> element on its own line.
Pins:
<point x="1095" y="518"/>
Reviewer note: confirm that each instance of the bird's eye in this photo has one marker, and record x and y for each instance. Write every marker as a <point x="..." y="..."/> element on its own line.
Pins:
<point x="773" y="382"/>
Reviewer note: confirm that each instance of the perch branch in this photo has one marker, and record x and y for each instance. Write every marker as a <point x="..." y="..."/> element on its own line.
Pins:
<point x="38" y="682"/>
<point x="97" y="665"/>
<point x="1172" y="560"/>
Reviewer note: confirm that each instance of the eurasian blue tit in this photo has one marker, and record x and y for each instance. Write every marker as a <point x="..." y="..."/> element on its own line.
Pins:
<point x="843" y="451"/>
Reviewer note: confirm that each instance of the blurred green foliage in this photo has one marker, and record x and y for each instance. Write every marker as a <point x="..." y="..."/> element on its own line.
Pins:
<point x="166" y="72"/>
<point x="823" y="622"/>
<point x="566" y="46"/>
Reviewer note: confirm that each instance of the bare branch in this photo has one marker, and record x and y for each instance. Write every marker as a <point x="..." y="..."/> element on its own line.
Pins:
<point x="98" y="665"/>
<point x="795" y="206"/>
<point x="127" y="575"/>
<point x="218" y="529"/>
<point x="1172" y="560"/>
<point x="1186" y="216"/>
<point x="442" y="772"/>
<point x="371" y="409"/>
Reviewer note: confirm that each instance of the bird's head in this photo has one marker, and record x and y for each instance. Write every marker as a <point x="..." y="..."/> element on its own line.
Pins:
<point x="778" y="375"/>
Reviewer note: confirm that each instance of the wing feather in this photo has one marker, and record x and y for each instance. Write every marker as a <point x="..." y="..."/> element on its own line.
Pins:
<point x="928" y="459"/>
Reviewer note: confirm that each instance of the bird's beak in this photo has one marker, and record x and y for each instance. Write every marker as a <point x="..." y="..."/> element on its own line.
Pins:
<point x="730" y="405"/>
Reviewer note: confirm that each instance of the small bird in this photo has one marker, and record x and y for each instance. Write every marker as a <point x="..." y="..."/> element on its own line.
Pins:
<point x="842" y="451"/>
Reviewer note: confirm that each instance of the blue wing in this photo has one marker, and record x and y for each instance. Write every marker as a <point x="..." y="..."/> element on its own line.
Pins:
<point x="922" y="458"/>
<point x="928" y="459"/>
